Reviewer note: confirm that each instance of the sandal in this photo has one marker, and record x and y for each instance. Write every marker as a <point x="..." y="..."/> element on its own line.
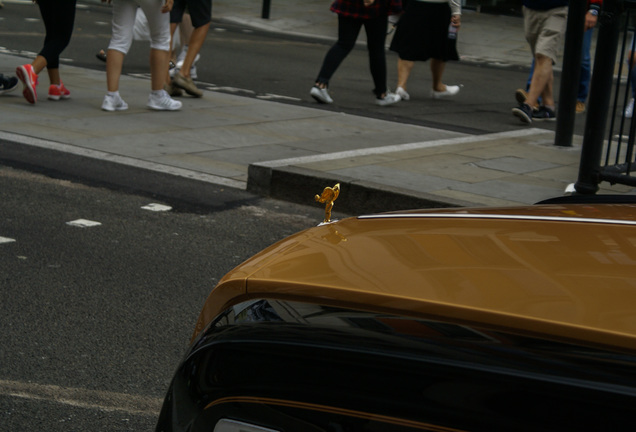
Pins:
<point x="101" y="55"/>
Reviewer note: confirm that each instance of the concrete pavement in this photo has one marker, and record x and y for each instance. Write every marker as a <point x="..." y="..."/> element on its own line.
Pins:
<point x="288" y="151"/>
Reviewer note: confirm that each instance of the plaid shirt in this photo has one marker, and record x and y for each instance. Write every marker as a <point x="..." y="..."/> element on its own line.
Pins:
<point x="356" y="8"/>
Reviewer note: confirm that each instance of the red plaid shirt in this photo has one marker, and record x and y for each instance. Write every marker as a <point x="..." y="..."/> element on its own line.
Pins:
<point x="357" y="9"/>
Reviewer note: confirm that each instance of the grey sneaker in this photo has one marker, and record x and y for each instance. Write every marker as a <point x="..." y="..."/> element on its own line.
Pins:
<point x="114" y="103"/>
<point x="321" y="95"/>
<point x="187" y="85"/>
<point x="161" y="101"/>
<point x="388" y="99"/>
<point x="172" y="89"/>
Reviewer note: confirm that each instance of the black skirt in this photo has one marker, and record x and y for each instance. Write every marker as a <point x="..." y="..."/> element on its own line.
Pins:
<point x="422" y="33"/>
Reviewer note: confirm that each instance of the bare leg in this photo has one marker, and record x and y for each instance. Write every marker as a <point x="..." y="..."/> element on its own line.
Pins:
<point x="173" y="28"/>
<point x="437" y="72"/>
<point x="185" y="29"/>
<point x="54" y="76"/>
<point x="158" y="68"/>
<point x="404" y="68"/>
<point x="542" y="82"/>
<point x="38" y="64"/>
<point x="114" y="63"/>
<point x="194" y="46"/>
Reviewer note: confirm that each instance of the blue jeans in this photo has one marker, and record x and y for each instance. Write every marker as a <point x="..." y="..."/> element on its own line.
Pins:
<point x="586" y="68"/>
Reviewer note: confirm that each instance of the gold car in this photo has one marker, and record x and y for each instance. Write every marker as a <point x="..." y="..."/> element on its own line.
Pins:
<point x="518" y="319"/>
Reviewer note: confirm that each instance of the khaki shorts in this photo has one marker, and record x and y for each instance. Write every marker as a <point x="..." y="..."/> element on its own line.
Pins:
<point x="544" y="29"/>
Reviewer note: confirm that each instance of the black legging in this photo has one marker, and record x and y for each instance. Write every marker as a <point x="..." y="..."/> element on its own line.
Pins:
<point x="59" y="19"/>
<point x="348" y="31"/>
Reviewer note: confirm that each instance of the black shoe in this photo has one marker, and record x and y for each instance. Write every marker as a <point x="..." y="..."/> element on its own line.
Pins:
<point x="544" y="114"/>
<point x="524" y="112"/>
<point x="7" y="84"/>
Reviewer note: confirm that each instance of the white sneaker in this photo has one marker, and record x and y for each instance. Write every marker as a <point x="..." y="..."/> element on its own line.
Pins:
<point x="182" y="54"/>
<point x="402" y="93"/>
<point x="114" y="103"/>
<point x="321" y="95"/>
<point x="179" y="65"/>
<point x="629" y="109"/>
<point x="450" y="91"/>
<point x="388" y="99"/>
<point x="161" y="101"/>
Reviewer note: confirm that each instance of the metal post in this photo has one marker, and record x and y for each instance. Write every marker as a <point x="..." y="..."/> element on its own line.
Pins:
<point x="571" y="73"/>
<point x="600" y="92"/>
<point x="266" y="8"/>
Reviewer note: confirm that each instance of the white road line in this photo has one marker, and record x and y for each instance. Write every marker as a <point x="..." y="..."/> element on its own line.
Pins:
<point x="83" y="223"/>
<point x="156" y="207"/>
<point x="398" y="148"/>
<point x="6" y="240"/>
<point x="82" y="398"/>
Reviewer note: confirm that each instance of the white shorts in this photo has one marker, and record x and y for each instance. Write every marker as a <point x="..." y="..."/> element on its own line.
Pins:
<point x="124" y="12"/>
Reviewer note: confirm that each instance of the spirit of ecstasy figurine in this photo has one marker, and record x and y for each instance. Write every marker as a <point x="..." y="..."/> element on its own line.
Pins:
<point x="328" y="196"/>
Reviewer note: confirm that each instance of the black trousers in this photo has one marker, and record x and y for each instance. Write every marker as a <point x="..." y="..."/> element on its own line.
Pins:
<point x="348" y="31"/>
<point x="59" y="19"/>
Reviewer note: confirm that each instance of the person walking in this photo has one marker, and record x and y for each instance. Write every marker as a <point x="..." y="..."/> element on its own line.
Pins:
<point x="544" y="24"/>
<point x="59" y="19"/>
<point x="591" y="18"/>
<point x="200" y="15"/>
<point x="124" y="12"/>
<point x="352" y="16"/>
<point x="427" y="30"/>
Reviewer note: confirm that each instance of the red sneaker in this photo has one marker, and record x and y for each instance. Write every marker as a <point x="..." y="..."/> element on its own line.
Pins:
<point x="57" y="92"/>
<point x="29" y="81"/>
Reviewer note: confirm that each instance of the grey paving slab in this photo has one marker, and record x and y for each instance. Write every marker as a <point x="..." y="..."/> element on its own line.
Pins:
<point x="509" y="191"/>
<point x="516" y="165"/>
<point x="418" y="182"/>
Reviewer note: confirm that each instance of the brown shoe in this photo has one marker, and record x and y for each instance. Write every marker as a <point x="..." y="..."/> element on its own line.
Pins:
<point x="186" y="84"/>
<point x="173" y="90"/>
<point x="580" y="107"/>
<point x="521" y="96"/>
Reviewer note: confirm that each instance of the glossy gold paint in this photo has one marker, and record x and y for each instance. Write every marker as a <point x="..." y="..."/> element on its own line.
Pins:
<point x="572" y="281"/>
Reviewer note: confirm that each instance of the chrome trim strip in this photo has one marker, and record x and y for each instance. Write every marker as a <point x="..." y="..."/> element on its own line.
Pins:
<point x="497" y="216"/>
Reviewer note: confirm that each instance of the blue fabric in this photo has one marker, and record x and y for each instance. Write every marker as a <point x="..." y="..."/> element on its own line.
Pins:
<point x="586" y="66"/>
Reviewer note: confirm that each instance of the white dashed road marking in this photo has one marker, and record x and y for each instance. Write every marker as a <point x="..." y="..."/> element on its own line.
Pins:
<point x="6" y="240"/>
<point x="83" y="223"/>
<point x="157" y="207"/>
<point x="82" y="398"/>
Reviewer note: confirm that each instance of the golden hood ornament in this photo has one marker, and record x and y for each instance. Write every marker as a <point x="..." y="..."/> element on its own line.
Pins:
<point x="328" y="197"/>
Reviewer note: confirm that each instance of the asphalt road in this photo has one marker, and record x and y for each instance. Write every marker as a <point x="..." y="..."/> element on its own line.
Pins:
<point x="95" y="319"/>
<point x="251" y="63"/>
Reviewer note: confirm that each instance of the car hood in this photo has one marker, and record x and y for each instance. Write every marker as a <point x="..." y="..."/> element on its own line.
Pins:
<point x="567" y="272"/>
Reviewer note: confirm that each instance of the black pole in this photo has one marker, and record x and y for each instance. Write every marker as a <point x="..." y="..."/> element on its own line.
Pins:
<point x="266" y="7"/>
<point x="570" y="74"/>
<point x="600" y="93"/>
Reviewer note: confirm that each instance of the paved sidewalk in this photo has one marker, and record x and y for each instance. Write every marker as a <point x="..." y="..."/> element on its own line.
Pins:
<point x="286" y="151"/>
